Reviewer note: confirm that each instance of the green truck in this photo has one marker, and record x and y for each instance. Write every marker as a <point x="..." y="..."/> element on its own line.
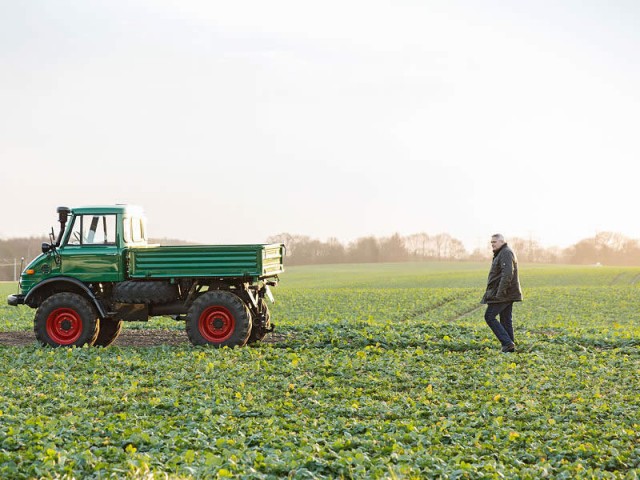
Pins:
<point x="100" y="271"/>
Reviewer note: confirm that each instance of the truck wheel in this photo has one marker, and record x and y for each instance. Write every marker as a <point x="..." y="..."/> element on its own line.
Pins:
<point x="109" y="331"/>
<point x="144" y="292"/>
<point x="260" y="325"/>
<point x="218" y="318"/>
<point x="66" y="319"/>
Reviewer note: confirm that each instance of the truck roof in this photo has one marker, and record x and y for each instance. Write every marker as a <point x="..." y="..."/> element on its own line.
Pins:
<point x="105" y="209"/>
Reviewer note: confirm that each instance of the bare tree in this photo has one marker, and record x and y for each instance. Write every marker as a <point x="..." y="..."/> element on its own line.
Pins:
<point x="335" y="252"/>
<point x="443" y="245"/>
<point x="291" y="241"/>
<point x="364" y="250"/>
<point x="392" y="249"/>
<point x="417" y="245"/>
<point x="457" y="250"/>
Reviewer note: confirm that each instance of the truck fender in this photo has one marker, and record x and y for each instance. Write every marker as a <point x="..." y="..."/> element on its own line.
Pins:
<point x="69" y="281"/>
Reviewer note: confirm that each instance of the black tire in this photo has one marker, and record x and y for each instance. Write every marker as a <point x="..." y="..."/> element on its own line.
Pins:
<point x="66" y="319"/>
<point x="109" y="331"/>
<point x="218" y="318"/>
<point x="261" y="324"/>
<point x="144" y="292"/>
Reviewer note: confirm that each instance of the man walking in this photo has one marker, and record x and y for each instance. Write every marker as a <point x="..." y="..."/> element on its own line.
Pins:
<point x="503" y="288"/>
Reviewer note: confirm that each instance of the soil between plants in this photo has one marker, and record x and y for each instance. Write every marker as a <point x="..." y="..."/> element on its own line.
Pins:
<point x="127" y="338"/>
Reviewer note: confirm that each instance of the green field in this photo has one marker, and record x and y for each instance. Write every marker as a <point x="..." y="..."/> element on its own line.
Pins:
<point x="378" y="371"/>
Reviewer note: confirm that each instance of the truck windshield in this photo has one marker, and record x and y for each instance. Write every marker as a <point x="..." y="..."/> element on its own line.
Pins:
<point x="93" y="230"/>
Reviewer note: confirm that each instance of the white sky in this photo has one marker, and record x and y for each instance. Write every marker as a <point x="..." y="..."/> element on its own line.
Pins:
<point x="233" y="121"/>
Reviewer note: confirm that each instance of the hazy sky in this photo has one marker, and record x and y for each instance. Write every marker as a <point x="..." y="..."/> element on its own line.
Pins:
<point x="233" y="121"/>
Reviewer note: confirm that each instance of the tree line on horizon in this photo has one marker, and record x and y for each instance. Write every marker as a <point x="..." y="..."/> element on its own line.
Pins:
<point x="605" y="248"/>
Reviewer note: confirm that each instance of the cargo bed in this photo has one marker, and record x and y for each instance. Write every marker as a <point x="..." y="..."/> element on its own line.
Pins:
<point x="252" y="262"/>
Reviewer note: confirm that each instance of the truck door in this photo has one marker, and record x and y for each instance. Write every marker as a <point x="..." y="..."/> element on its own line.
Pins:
<point x="91" y="253"/>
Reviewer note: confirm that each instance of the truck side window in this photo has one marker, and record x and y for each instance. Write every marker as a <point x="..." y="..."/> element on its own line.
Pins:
<point x="137" y="230"/>
<point x="126" y="227"/>
<point x="76" y="234"/>
<point x="93" y="230"/>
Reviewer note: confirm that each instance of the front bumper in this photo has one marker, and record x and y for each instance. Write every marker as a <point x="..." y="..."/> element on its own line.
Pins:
<point x="15" y="300"/>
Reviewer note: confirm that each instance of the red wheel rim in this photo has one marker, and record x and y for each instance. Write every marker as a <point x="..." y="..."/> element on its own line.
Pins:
<point x="216" y="324"/>
<point x="64" y="326"/>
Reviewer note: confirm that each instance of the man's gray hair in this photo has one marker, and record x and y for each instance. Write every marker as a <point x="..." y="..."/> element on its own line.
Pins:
<point x="498" y="236"/>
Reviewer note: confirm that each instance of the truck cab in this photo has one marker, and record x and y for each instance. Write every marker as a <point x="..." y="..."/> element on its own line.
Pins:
<point x="89" y="246"/>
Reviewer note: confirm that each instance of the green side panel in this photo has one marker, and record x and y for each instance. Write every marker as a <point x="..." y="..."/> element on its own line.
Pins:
<point x="43" y="267"/>
<point x="88" y="263"/>
<point x="224" y="261"/>
<point x="91" y="263"/>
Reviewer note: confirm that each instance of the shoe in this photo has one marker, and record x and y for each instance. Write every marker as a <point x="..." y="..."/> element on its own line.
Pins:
<point x="509" y="348"/>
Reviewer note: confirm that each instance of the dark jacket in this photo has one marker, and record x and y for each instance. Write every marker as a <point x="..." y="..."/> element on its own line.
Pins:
<point x="503" y="284"/>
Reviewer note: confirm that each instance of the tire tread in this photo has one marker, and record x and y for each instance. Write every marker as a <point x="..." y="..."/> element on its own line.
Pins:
<point x="80" y="304"/>
<point x="229" y="300"/>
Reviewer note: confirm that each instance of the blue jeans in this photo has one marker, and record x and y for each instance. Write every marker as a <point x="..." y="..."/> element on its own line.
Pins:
<point x="504" y="328"/>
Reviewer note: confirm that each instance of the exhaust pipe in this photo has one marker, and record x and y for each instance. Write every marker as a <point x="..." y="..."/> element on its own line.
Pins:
<point x="63" y="216"/>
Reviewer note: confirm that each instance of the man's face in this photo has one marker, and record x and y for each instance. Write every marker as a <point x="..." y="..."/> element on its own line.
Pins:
<point x="496" y="243"/>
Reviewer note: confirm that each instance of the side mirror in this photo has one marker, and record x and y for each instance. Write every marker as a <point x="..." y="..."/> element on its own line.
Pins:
<point x="46" y="247"/>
